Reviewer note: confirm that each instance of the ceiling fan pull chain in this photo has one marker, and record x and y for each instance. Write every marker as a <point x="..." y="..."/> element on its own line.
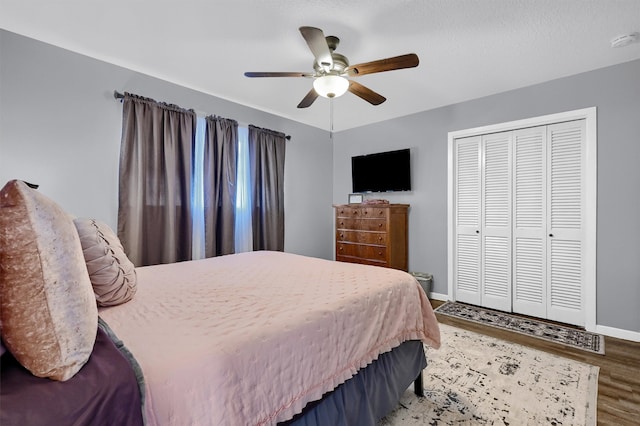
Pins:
<point x="331" y="118"/>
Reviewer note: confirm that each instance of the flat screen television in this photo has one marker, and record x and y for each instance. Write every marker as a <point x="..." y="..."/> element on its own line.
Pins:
<point x="382" y="171"/>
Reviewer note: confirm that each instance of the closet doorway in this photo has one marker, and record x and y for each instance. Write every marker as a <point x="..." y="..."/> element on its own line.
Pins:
<point x="522" y="216"/>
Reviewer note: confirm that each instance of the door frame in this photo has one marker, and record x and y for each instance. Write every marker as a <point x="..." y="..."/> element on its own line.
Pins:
<point x="590" y="210"/>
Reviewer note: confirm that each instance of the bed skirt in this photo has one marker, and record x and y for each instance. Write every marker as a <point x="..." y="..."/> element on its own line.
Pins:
<point x="369" y="395"/>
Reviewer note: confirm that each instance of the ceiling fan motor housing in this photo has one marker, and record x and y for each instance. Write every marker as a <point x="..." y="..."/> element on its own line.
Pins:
<point x="340" y="63"/>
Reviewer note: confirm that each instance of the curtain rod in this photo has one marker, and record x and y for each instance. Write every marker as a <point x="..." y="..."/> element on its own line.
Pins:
<point x="118" y="95"/>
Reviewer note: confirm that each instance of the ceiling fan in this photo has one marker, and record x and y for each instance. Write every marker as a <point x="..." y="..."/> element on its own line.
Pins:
<point x="331" y="70"/>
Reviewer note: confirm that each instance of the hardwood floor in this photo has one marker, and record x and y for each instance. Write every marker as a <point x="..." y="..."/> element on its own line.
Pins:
<point x="619" y="378"/>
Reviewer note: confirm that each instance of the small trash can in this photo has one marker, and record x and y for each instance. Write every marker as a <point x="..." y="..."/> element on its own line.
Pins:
<point x="424" y="279"/>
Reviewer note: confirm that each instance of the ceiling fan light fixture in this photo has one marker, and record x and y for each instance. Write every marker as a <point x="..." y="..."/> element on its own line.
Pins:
<point x="330" y="86"/>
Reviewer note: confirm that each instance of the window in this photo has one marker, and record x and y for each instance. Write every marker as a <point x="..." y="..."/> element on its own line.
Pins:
<point x="197" y="192"/>
<point x="242" y="231"/>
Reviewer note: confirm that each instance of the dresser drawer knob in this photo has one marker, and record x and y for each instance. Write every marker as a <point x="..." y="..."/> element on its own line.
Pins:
<point x="380" y="225"/>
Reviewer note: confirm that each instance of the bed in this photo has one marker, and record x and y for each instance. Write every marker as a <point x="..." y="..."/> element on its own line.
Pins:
<point x="261" y="334"/>
<point x="258" y="338"/>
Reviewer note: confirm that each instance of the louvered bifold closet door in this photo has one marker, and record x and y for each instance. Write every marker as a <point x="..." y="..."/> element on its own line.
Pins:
<point x="496" y="221"/>
<point x="565" y="227"/>
<point x="529" y="222"/>
<point x="467" y="220"/>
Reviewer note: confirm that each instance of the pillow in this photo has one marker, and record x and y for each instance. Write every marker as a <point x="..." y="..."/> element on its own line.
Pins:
<point x="48" y="313"/>
<point x="112" y="274"/>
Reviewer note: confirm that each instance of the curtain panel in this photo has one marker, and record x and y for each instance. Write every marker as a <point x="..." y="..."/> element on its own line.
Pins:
<point x="266" y="164"/>
<point x="220" y="165"/>
<point x="154" y="210"/>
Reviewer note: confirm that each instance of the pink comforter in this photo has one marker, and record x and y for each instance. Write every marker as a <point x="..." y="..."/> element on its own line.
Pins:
<point x="250" y="339"/>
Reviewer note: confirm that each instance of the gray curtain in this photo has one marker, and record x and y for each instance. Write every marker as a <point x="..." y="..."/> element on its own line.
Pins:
<point x="154" y="211"/>
<point x="220" y="158"/>
<point x="266" y="156"/>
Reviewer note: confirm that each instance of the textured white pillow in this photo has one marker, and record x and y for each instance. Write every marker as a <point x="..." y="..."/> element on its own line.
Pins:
<point x="112" y="274"/>
<point x="49" y="314"/>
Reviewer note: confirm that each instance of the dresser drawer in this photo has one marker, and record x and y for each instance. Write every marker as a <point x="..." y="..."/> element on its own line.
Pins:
<point x="356" y="212"/>
<point x="361" y="237"/>
<point x="362" y="251"/>
<point x="362" y="261"/>
<point x="361" y="224"/>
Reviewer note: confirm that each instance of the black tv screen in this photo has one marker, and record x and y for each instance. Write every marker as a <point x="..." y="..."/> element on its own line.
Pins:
<point x="382" y="172"/>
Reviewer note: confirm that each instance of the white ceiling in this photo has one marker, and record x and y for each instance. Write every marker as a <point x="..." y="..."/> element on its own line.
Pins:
<point x="467" y="48"/>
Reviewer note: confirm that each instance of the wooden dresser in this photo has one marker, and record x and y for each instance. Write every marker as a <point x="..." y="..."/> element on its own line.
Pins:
<point x="373" y="234"/>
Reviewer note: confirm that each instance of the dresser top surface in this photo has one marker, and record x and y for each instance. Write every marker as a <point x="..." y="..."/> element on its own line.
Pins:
<point x="374" y="205"/>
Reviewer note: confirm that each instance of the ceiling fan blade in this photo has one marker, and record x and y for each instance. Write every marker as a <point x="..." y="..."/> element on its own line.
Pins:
<point x="309" y="99"/>
<point x="318" y="44"/>
<point x="278" y="74"/>
<point x="365" y="93"/>
<point x="396" y="63"/>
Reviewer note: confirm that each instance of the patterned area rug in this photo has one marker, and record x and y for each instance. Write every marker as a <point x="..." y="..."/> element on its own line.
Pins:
<point x="569" y="336"/>
<point x="480" y="380"/>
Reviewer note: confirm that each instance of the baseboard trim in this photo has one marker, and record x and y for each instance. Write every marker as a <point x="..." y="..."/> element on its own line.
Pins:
<point x="439" y="296"/>
<point x="618" y="333"/>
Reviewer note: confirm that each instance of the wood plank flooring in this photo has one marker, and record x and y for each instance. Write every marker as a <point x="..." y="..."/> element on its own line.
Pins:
<point x="619" y="379"/>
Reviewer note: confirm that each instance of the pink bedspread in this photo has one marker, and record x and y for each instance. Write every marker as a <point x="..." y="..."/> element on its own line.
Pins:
<point x="250" y="339"/>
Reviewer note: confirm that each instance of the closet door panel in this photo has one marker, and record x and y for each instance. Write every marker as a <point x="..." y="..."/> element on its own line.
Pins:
<point x="467" y="220"/>
<point x="529" y="292"/>
<point x="565" y="280"/>
<point x="529" y="217"/>
<point x="496" y="273"/>
<point x="496" y="221"/>
<point x="566" y="198"/>
<point x="467" y="269"/>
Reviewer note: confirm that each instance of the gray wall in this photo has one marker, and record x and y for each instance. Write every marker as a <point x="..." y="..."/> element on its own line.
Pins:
<point x="60" y="127"/>
<point x="615" y="91"/>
